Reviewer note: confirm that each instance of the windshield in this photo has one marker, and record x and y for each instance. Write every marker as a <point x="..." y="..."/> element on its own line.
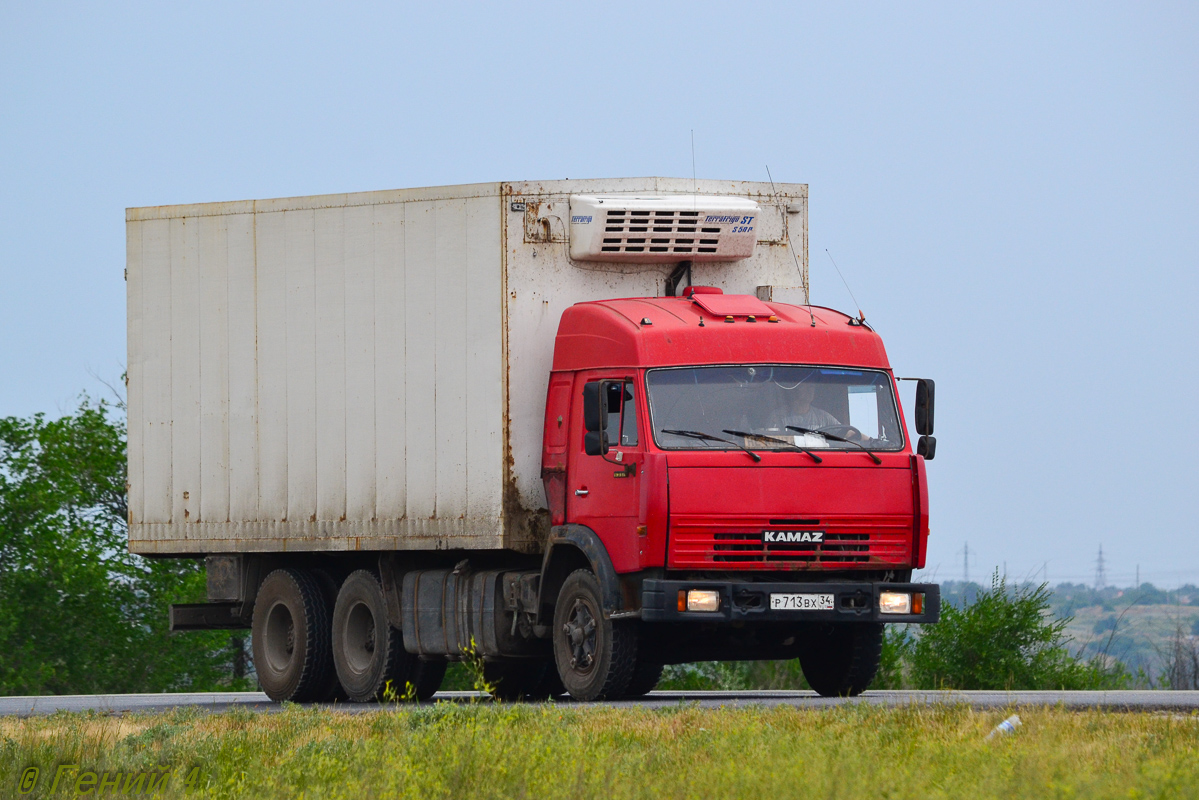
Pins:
<point x="766" y="407"/>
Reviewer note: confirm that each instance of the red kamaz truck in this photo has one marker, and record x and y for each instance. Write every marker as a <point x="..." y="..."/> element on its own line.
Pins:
<point x="579" y="429"/>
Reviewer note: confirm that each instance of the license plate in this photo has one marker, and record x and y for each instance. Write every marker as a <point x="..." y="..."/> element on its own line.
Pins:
<point x="801" y="602"/>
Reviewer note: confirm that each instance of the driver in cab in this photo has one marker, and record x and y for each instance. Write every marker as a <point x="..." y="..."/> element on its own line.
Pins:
<point x="803" y="414"/>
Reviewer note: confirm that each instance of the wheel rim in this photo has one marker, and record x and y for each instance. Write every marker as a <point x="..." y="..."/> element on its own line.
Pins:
<point x="360" y="638"/>
<point x="580" y="629"/>
<point x="280" y="637"/>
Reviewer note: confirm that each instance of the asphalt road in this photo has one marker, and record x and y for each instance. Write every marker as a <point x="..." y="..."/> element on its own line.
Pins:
<point x="1179" y="702"/>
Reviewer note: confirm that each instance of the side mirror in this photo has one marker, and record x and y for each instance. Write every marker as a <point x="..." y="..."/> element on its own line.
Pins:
<point x="924" y="407"/>
<point x="926" y="446"/>
<point x="595" y="408"/>
<point x="595" y="443"/>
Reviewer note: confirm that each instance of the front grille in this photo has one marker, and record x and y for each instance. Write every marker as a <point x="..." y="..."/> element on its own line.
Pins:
<point x="677" y="231"/>
<point x="847" y="547"/>
<point x="870" y="540"/>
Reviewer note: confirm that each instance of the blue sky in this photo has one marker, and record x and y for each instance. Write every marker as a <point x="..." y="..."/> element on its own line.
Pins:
<point x="1011" y="190"/>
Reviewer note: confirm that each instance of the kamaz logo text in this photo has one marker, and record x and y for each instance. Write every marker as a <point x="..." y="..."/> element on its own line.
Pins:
<point x="792" y="537"/>
<point x="581" y="220"/>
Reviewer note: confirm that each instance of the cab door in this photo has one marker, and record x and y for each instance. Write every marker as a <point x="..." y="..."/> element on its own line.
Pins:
<point x="604" y="491"/>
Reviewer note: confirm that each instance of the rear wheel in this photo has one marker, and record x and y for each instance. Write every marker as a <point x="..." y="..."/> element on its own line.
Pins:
<point x="841" y="660"/>
<point x="332" y="692"/>
<point x="594" y="655"/>
<point x="290" y="636"/>
<point x="515" y="679"/>
<point x="426" y="678"/>
<point x="368" y="651"/>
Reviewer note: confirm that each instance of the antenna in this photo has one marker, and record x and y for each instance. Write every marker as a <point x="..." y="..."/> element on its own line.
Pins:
<point x="775" y="192"/>
<point x="694" y="182"/>
<point x="966" y="563"/>
<point x="1100" y="572"/>
<point x="861" y="316"/>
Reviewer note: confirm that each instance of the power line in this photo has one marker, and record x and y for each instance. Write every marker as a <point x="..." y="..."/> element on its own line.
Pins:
<point x="1117" y="577"/>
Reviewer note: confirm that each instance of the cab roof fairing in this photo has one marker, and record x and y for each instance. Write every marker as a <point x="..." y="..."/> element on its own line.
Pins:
<point x="609" y="333"/>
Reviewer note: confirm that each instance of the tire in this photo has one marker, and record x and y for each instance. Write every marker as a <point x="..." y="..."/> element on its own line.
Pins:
<point x="645" y="677"/>
<point x="426" y="677"/>
<point x="367" y="651"/>
<point x="551" y="684"/>
<point x="594" y="655"/>
<point x="332" y="692"/>
<point x="516" y="679"/>
<point x="291" y="636"/>
<point x="841" y="660"/>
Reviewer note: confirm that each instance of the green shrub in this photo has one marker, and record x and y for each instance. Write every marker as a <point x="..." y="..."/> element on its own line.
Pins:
<point x="733" y="676"/>
<point x="1004" y="640"/>
<point x="895" y="664"/>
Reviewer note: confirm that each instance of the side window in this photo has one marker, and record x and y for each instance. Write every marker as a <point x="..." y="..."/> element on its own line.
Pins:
<point x="615" y="403"/>
<point x="628" y="417"/>
<point x="622" y="413"/>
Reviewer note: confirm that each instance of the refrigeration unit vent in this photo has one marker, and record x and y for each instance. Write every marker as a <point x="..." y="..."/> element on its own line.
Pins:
<point x="662" y="229"/>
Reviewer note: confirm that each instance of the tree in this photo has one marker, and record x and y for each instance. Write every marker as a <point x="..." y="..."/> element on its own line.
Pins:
<point x="78" y="612"/>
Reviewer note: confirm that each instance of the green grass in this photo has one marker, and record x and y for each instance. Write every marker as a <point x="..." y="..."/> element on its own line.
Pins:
<point x="554" y="751"/>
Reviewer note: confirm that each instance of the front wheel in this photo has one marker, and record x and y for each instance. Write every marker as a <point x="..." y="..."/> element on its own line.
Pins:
<point x="840" y="660"/>
<point x="594" y="655"/>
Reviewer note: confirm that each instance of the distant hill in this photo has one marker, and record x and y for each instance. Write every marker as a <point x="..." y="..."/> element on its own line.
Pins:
<point x="1132" y="625"/>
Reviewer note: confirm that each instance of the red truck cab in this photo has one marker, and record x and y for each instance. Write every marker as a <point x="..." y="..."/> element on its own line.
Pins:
<point x="744" y="467"/>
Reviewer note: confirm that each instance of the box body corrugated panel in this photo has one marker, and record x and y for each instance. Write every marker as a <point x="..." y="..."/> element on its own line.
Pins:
<point x="368" y="371"/>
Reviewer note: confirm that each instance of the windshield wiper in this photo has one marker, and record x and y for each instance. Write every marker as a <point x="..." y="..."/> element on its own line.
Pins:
<point x="707" y="437"/>
<point x="788" y="445"/>
<point x="861" y="447"/>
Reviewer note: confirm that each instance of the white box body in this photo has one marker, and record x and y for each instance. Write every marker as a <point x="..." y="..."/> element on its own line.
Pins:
<point x="368" y="371"/>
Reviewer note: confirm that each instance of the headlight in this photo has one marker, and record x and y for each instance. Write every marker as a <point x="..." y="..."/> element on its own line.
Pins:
<point x="894" y="603"/>
<point x="699" y="600"/>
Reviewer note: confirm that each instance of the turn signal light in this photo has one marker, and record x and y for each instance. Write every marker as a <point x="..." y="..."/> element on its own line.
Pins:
<point x="894" y="603"/>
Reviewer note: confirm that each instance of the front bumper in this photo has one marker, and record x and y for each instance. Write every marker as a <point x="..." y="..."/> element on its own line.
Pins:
<point x="744" y="601"/>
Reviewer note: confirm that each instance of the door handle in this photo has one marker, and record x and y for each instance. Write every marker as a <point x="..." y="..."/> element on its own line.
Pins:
<point x="580" y="492"/>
